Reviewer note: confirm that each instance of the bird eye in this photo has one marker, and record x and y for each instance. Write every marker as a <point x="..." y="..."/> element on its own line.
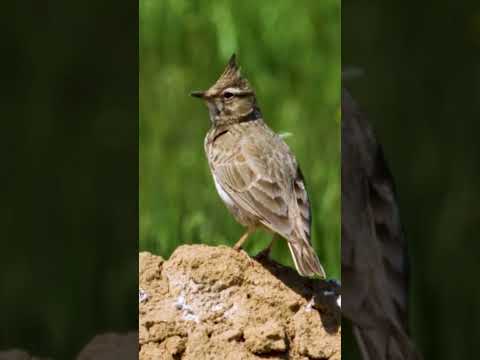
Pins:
<point x="227" y="95"/>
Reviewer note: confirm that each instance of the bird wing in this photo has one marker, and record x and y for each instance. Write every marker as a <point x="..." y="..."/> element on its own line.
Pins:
<point x="374" y="249"/>
<point x="260" y="176"/>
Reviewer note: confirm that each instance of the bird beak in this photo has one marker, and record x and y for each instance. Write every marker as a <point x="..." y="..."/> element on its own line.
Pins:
<point x="198" y="94"/>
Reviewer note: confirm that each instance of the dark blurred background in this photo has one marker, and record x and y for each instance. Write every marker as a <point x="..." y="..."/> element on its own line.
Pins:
<point x="421" y="90"/>
<point x="291" y="55"/>
<point x="69" y="174"/>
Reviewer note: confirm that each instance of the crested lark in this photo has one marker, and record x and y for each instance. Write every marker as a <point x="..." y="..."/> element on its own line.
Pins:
<point x="254" y="171"/>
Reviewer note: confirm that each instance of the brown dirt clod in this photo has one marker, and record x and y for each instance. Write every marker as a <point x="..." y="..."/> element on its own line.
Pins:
<point x="218" y="303"/>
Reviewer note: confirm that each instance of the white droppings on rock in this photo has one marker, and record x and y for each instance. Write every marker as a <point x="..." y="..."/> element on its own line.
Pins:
<point x="195" y="301"/>
<point x="190" y="317"/>
<point x="142" y="296"/>
<point x="180" y="303"/>
<point x="217" y="307"/>
<point x="230" y="313"/>
<point x="188" y="312"/>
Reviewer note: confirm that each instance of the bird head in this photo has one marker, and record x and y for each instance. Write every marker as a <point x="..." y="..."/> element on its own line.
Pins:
<point x="231" y="99"/>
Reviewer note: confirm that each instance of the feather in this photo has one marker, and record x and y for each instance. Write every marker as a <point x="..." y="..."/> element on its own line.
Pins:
<point x="374" y="249"/>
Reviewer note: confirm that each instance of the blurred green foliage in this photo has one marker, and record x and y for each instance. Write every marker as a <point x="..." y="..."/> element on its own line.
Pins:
<point x="291" y="55"/>
<point x="68" y="213"/>
<point x="421" y="89"/>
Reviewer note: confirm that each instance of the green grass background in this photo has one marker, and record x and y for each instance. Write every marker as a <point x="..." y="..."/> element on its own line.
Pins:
<point x="291" y="55"/>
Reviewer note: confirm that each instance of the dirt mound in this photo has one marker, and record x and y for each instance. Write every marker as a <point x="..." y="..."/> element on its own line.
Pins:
<point x="218" y="303"/>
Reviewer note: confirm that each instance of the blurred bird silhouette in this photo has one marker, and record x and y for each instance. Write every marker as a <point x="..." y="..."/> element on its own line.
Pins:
<point x="374" y="249"/>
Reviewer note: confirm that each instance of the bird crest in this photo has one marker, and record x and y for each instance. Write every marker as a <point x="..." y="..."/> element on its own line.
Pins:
<point x="231" y="77"/>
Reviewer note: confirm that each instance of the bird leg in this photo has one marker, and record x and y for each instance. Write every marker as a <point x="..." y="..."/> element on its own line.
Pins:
<point x="266" y="252"/>
<point x="244" y="238"/>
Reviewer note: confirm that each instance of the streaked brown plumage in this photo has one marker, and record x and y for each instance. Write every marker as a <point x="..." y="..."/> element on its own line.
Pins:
<point x="374" y="248"/>
<point x="254" y="171"/>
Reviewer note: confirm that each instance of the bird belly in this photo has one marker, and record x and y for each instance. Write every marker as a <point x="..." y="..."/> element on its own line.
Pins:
<point x="226" y="199"/>
<point x="240" y="215"/>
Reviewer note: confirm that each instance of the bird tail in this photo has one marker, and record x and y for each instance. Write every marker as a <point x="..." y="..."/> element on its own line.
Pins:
<point x="305" y="259"/>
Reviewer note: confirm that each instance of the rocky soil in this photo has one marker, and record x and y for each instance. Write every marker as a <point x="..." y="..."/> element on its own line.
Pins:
<point x="218" y="303"/>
